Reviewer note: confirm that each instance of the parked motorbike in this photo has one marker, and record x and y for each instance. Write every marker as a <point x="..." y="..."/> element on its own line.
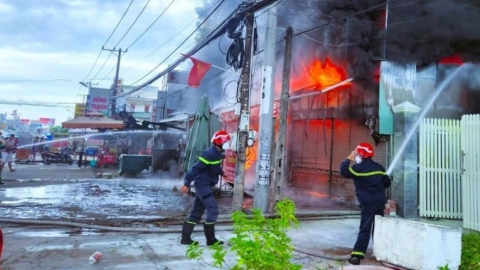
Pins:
<point x="52" y="157"/>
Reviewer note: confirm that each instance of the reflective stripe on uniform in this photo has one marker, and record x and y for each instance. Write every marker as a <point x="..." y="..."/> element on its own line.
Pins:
<point x="208" y="162"/>
<point x="358" y="253"/>
<point x="366" y="174"/>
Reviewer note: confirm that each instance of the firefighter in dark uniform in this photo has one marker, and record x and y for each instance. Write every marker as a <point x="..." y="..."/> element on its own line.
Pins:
<point x="370" y="180"/>
<point x="204" y="174"/>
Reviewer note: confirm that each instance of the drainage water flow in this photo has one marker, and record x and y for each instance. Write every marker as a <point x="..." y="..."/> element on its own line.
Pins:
<point x="437" y="93"/>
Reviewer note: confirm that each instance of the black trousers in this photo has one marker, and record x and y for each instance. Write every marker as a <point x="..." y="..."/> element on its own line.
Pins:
<point x="368" y="213"/>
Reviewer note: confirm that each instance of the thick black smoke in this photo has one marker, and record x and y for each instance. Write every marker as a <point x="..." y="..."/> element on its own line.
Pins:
<point x="418" y="31"/>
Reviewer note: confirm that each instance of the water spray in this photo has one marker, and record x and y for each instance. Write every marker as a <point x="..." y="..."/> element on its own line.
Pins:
<point x="437" y="93"/>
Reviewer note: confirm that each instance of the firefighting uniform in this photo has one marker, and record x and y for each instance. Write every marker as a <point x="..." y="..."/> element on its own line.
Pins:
<point x="370" y="180"/>
<point x="205" y="174"/>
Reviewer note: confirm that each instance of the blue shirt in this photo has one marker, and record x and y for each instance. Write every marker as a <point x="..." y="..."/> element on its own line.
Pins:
<point x="207" y="169"/>
<point x="370" y="180"/>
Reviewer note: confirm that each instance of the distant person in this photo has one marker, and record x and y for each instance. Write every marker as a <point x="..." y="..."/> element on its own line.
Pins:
<point x="34" y="148"/>
<point x="370" y="180"/>
<point x="41" y="145"/>
<point x="74" y="148"/>
<point x="2" y="149"/>
<point x="204" y="174"/>
<point x="7" y="155"/>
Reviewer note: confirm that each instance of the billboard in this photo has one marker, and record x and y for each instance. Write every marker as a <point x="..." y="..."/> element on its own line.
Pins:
<point x="99" y="100"/>
<point x="47" y="121"/>
<point x="79" y="109"/>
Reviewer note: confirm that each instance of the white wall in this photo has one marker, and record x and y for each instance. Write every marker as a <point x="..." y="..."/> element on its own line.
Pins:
<point x="416" y="245"/>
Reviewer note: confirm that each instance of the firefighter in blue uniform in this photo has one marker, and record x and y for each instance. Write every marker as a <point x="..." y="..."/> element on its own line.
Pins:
<point x="370" y="180"/>
<point x="204" y="174"/>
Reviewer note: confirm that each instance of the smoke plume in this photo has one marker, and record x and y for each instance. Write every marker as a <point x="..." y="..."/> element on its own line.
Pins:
<point x="353" y="32"/>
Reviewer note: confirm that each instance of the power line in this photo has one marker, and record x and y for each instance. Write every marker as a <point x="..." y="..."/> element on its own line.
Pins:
<point x="121" y="19"/>
<point x="148" y="28"/>
<point x="344" y="18"/>
<point x="35" y="80"/>
<point x="111" y="34"/>
<point x="101" y="68"/>
<point x="183" y="42"/>
<point x="36" y="103"/>
<point x="163" y="44"/>
<point x="146" y="4"/>
<point x="217" y="32"/>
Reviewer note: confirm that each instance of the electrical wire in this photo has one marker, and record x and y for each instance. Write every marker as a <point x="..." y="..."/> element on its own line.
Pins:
<point x="219" y="48"/>
<point x="183" y="42"/>
<point x="344" y="18"/>
<point x="111" y="34"/>
<point x="188" y="87"/>
<point x="148" y="28"/>
<point x="146" y="4"/>
<point x="101" y="68"/>
<point x="163" y="44"/>
<point x="121" y="19"/>
<point x="219" y="30"/>
<point x="226" y="97"/>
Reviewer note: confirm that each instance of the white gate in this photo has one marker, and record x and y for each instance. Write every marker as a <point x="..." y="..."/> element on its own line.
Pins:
<point x="440" y="188"/>
<point x="470" y="129"/>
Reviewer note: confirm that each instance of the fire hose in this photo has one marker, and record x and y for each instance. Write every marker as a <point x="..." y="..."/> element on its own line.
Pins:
<point x="176" y="229"/>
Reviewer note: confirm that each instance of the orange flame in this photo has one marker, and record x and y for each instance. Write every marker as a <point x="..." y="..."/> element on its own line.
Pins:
<point x="318" y="75"/>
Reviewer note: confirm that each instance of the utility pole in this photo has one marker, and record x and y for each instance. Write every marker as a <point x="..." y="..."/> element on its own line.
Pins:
<point x="279" y="169"/>
<point x="244" y="118"/>
<point x="264" y="160"/>
<point x="113" y="92"/>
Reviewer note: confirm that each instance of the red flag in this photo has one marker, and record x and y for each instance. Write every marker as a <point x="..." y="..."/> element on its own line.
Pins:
<point x="199" y="70"/>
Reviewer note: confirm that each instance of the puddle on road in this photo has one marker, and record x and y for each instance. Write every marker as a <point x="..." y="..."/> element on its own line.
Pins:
<point x="55" y="233"/>
<point x="88" y="200"/>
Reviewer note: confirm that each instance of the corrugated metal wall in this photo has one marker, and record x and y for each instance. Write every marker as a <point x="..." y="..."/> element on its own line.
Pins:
<point x="315" y="161"/>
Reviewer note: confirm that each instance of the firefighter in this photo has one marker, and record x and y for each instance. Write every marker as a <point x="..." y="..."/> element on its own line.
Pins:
<point x="205" y="173"/>
<point x="370" y="180"/>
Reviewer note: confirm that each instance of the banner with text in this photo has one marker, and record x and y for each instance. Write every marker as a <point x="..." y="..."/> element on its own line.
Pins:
<point x="47" y="121"/>
<point x="99" y="100"/>
<point x="79" y="109"/>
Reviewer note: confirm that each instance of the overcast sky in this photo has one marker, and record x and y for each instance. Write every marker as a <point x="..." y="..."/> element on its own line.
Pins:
<point x="48" y="46"/>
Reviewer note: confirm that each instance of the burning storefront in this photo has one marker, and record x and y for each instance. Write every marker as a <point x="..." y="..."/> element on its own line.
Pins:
<point x="323" y="127"/>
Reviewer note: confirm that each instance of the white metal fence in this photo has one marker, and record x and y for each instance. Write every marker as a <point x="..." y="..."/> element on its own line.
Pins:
<point x="440" y="178"/>
<point x="470" y="130"/>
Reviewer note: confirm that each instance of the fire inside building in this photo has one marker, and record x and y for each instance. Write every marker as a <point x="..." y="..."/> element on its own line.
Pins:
<point x="322" y="128"/>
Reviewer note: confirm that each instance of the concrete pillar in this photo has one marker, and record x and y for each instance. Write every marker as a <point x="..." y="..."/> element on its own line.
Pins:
<point x="405" y="173"/>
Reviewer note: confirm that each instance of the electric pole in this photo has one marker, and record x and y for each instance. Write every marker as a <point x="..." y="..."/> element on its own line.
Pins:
<point x="244" y="118"/>
<point x="113" y="92"/>
<point x="279" y="169"/>
<point x="264" y="160"/>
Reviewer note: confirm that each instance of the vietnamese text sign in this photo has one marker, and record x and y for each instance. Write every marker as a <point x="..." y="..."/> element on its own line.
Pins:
<point x="79" y="109"/>
<point x="99" y="99"/>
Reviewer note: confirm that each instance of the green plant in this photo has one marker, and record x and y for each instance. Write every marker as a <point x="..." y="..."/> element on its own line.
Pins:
<point x="470" y="252"/>
<point x="259" y="243"/>
<point x="445" y="267"/>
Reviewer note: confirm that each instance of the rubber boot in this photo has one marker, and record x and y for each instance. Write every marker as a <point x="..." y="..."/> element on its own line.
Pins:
<point x="209" y="230"/>
<point x="187" y="230"/>
<point x="354" y="260"/>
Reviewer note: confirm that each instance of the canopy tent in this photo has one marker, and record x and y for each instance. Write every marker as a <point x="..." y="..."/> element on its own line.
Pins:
<point x="93" y="120"/>
<point x="205" y="124"/>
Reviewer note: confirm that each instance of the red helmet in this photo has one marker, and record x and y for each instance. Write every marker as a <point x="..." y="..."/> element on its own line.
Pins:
<point x="220" y="137"/>
<point x="365" y="150"/>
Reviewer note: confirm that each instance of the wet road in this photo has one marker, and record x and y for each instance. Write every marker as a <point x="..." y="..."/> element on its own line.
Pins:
<point x="97" y="200"/>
